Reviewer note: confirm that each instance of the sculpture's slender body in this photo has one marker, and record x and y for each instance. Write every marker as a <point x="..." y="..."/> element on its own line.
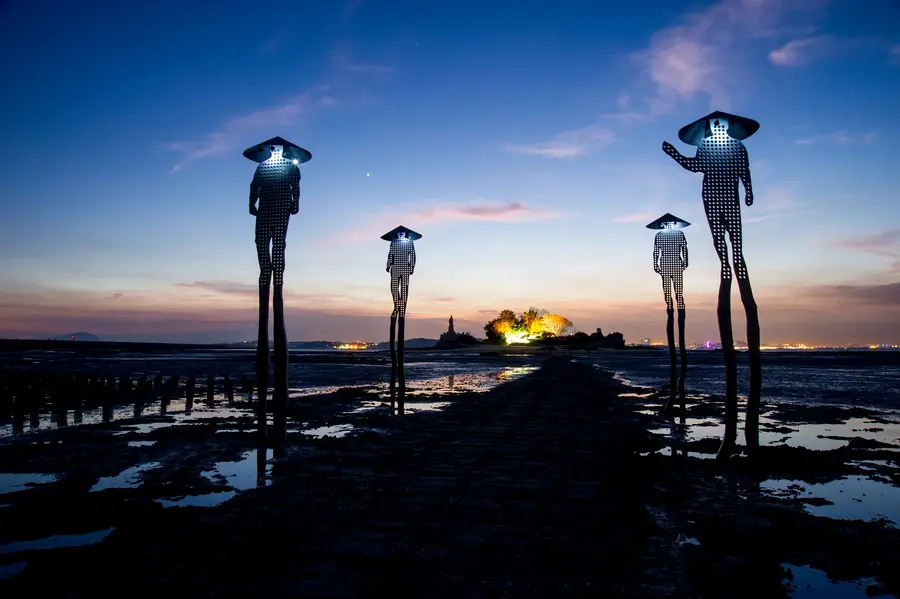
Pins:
<point x="723" y="160"/>
<point x="670" y="259"/>
<point x="401" y="263"/>
<point x="274" y="197"/>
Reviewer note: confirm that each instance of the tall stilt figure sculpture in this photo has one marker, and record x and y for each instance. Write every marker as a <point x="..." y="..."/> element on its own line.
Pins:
<point x="276" y="189"/>
<point x="401" y="263"/>
<point x="722" y="159"/>
<point x="670" y="258"/>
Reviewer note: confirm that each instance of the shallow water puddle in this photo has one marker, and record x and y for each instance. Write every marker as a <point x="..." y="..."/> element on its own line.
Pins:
<point x="127" y="479"/>
<point x="207" y="500"/>
<point x="242" y="474"/>
<point x="810" y="583"/>
<point x="12" y="482"/>
<point x="337" y="430"/>
<point x="56" y="542"/>
<point x="10" y="570"/>
<point x="141" y="443"/>
<point x="852" y="497"/>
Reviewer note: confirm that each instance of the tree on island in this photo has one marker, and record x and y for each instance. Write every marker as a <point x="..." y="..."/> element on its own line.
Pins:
<point x="533" y="324"/>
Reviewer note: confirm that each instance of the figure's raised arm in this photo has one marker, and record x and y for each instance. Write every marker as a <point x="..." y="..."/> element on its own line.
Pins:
<point x="390" y="259"/>
<point x="295" y="189"/>
<point x="744" y="174"/>
<point x="684" y="251"/>
<point x="686" y="162"/>
<point x="412" y="257"/>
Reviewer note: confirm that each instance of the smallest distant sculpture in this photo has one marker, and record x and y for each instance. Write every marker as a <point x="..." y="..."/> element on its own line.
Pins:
<point x="401" y="263"/>
<point x="670" y="258"/>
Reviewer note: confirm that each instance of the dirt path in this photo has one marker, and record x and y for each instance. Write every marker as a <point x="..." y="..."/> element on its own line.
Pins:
<point x="528" y="489"/>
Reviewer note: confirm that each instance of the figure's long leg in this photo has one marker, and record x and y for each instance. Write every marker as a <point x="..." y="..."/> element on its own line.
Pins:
<point x="751" y="422"/>
<point x="667" y="290"/>
<point x="278" y="246"/>
<point x="263" y="239"/>
<point x="717" y="226"/>
<point x="670" y="338"/>
<point x="395" y="292"/>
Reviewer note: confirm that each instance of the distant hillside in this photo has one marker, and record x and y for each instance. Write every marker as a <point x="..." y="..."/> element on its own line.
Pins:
<point x="77" y="337"/>
<point x="415" y="343"/>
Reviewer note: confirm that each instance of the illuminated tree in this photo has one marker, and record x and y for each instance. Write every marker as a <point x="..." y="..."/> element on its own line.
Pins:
<point x="555" y="325"/>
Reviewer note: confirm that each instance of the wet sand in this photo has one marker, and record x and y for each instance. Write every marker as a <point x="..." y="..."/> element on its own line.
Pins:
<point x="550" y="485"/>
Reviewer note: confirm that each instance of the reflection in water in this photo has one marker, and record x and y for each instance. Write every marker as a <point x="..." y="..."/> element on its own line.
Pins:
<point x="852" y="498"/>
<point x="10" y="570"/>
<point x="10" y="483"/>
<point x="337" y="430"/>
<point x="810" y="583"/>
<point x="127" y="479"/>
<point x="56" y="542"/>
<point x="207" y="500"/>
<point x="242" y="474"/>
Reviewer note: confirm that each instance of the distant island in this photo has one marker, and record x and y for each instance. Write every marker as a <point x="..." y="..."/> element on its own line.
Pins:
<point x="75" y="337"/>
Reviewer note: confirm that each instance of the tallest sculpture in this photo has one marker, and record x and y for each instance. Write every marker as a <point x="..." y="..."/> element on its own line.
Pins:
<point x="274" y="197"/>
<point x="723" y="160"/>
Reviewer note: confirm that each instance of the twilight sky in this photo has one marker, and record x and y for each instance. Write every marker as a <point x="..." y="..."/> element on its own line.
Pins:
<point x="521" y="138"/>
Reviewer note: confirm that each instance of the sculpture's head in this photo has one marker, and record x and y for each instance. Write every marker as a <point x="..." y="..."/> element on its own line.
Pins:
<point x="669" y="226"/>
<point x="277" y="152"/>
<point x="401" y="236"/>
<point x="718" y="126"/>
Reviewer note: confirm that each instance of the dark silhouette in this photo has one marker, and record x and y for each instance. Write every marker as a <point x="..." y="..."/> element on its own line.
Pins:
<point x="670" y="258"/>
<point x="401" y="263"/>
<point x="723" y="160"/>
<point x="276" y="188"/>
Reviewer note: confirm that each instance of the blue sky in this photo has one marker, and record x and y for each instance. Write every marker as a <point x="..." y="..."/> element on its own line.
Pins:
<point x="522" y="140"/>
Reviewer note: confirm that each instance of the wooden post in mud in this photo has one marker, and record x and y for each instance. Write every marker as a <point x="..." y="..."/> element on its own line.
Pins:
<point x="210" y="388"/>
<point x="228" y="385"/>
<point x="280" y="391"/>
<point x="190" y="388"/>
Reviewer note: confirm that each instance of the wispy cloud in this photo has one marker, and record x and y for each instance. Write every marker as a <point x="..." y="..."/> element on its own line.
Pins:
<point x="510" y="212"/>
<point x="634" y="217"/>
<point x="706" y="52"/>
<point x="227" y="287"/>
<point x="802" y="51"/>
<point x="885" y="244"/>
<point x="444" y="213"/>
<point x="568" y="144"/>
<point x="887" y="295"/>
<point x="273" y="42"/>
<point x="236" y="130"/>
<point x="774" y="203"/>
<point x="343" y="60"/>
<point x="838" y="137"/>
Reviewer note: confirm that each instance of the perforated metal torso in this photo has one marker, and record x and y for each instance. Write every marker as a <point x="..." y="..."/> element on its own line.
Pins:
<point x="276" y="184"/>
<point x="723" y="161"/>
<point x="402" y="263"/>
<point x="670" y="254"/>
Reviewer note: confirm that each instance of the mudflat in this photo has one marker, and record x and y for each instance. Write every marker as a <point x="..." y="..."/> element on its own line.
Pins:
<point x="549" y="485"/>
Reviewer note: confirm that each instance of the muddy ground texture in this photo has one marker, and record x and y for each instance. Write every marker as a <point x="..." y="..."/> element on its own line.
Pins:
<point x="551" y="485"/>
